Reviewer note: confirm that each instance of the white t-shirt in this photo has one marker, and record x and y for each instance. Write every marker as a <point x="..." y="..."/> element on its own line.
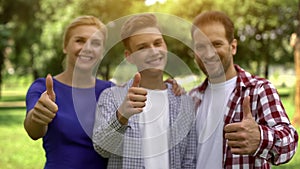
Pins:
<point x="154" y="124"/>
<point x="210" y="123"/>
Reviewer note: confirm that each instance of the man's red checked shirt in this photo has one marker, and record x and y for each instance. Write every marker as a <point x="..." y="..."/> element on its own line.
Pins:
<point x="278" y="137"/>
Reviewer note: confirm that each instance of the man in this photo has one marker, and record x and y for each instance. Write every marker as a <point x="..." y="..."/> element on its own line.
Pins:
<point x="143" y="124"/>
<point x="241" y="122"/>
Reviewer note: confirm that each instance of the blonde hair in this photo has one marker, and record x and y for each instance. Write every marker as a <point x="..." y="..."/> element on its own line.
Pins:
<point x="135" y="23"/>
<point x="80" y="21"/>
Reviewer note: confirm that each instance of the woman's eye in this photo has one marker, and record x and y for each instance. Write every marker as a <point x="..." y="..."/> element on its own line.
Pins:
<point x="96" y="43"/>
<point x="80" y="41"/>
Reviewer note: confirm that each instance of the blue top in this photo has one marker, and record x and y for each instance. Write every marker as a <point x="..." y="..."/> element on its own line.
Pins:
<point x="68" y="143"/>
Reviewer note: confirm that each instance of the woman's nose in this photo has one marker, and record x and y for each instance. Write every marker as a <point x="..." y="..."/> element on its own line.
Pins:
<point x="86" y="47"/>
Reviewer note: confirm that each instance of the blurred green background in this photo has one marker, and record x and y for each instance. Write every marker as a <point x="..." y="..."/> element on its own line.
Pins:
<point x="31" y="47"/>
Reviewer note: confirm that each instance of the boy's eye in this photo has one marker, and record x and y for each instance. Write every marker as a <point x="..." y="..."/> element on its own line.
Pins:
<point x="157" y="43"/>
<point x="141" y="47"/>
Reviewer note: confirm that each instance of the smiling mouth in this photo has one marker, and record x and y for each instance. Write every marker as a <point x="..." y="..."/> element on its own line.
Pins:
<point x="155" y="61"/>
<point x="211" y="62"/>
<point x="85" y="58"/>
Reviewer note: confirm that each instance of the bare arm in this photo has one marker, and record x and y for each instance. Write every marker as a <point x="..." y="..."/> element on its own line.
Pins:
<point x="38" y="118"/>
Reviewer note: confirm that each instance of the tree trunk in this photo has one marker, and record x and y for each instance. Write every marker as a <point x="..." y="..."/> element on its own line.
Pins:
<point x="2" y="58"/>
<point x="296" y="119"/>
<point x="296" y="44"/>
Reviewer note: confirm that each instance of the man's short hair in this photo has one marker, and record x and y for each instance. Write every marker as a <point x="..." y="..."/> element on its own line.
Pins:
<point x="215" y="16"/>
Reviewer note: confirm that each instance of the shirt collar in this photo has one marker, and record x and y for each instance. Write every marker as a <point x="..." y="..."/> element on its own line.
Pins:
<point x="243" y="80"/>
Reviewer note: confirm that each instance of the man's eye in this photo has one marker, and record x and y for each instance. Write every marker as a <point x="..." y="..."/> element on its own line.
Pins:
<point x="217" y="45"/>
<point x="200" y="47"/>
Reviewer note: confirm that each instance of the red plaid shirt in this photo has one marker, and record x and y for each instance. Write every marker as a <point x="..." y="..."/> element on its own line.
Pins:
<point x="278" y="137"/>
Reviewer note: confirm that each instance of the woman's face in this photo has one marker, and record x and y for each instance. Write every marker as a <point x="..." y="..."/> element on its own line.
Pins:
<point x="84" y="48"/>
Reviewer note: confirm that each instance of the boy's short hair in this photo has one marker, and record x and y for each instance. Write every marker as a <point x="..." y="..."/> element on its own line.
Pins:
<point x="136" y="23"/>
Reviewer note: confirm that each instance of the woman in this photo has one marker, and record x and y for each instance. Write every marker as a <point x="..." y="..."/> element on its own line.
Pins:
<point x="61" y="109"/>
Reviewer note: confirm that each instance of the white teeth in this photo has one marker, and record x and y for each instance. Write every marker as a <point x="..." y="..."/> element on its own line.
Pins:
<point x="87" y="58"/>
<point x="155" y="60"/>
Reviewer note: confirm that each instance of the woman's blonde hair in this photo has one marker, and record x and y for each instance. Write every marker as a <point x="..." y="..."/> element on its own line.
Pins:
<point x="81" y="21"/>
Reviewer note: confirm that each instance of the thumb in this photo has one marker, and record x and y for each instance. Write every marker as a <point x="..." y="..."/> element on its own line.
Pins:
<point x="246" y="108"/>
<point x="136" y="80"/>
<point x="49" y="87"/>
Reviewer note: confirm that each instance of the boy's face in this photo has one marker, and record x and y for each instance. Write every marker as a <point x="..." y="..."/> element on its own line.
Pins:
<point x="148" y="50"/>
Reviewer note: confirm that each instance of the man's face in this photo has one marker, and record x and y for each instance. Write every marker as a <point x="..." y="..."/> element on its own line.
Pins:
<point x="213" y="52"/>
<point x="148" y="50"/>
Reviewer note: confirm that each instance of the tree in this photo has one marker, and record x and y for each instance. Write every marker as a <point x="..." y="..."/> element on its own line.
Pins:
<point x="17" y="28"/>
<point x="295" y="43"/>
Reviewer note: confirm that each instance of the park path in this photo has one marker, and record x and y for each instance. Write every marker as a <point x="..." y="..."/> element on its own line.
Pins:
<point x="12" y="104"/>
<point x="13" y="99"/>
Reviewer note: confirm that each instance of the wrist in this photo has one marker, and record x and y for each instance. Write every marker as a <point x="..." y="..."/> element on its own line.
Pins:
<point x="123" y="120"/>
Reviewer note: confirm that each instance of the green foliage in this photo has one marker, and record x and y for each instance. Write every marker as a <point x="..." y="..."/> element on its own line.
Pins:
<point x="263" y="28"/>
<point x="263" y="32"/>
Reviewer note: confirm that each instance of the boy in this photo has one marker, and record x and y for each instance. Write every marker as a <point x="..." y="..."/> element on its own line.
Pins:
<point x="143" y="124"/>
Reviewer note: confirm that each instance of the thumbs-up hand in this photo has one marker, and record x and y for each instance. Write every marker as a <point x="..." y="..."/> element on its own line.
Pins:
<point x="49" y="87"/>
<point x="243" y="137"/>
<point x="134" y="101"/>
<point x="45" y="109"/>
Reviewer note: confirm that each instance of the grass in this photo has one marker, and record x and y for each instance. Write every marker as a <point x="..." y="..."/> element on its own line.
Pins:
<point x="17" y="150"/>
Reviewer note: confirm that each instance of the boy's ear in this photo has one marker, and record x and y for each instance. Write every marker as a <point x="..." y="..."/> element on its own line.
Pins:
<point x="128" y="56"/>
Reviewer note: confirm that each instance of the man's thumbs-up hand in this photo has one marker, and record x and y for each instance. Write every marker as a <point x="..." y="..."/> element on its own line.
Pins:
<point x="243" y="137"/>
<point x="134" y="101"/>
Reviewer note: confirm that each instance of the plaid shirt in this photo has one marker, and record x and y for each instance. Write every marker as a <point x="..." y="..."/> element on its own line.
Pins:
<point x="278" y="137"/>
<point x="123" y="143"/>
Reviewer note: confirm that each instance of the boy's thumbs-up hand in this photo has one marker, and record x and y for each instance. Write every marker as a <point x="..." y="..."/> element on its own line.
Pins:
<point x="136" y="80"/>
<point x="243" y="137"/>
<point x="134" y="101"/>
